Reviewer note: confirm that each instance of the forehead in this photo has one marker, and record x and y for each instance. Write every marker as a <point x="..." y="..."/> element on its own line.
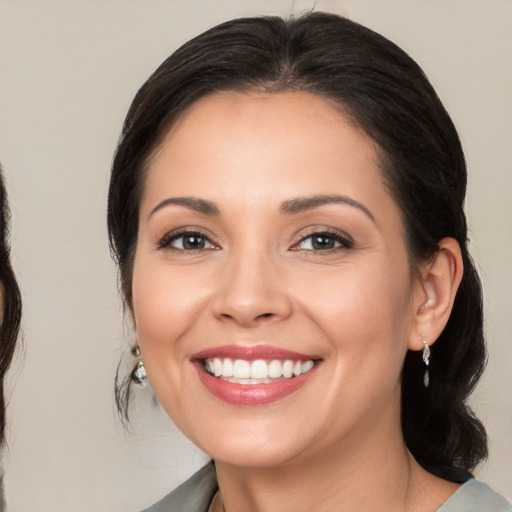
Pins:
<point x="264" y="146"/>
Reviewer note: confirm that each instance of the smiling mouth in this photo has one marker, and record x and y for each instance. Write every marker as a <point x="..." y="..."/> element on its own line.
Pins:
<point x="258" y="371"/>
<point x="254" y="375"/>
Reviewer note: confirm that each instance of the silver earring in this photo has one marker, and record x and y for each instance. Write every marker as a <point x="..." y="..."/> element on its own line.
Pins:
<point x="426" y="360"/>
<point x="139" y="372"/>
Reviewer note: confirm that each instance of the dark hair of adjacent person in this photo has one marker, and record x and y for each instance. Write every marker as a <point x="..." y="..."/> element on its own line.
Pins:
<point x="11" y="301"/>
<point x="383" y="92"/>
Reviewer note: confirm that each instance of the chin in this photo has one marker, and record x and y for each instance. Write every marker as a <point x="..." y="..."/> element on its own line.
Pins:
<point x="253" y="455"/>
<point x="246" y="444"/>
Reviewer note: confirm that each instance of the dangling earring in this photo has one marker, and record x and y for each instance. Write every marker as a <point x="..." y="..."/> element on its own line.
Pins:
<point x="138" y="374"/>
<point x="426" y="355"/>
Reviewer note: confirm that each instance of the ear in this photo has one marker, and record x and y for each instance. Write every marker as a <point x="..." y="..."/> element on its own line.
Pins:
<point x="435" y="290"/>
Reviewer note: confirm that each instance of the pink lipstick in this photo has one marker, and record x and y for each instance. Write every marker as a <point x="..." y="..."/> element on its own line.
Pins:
<point x="253" y="375"/>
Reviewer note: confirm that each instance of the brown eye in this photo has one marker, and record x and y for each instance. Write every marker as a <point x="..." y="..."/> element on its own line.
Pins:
<point x="324" y="242"/>
<point x="187" y="241"/>
<point x="193" y="242"/>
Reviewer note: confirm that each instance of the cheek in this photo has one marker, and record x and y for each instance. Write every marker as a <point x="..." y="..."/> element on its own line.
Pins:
<point x="163" y="302"/>
<point x="165" y="306"/>
<point x="367" y="322"/>
<point x="365" y="312"/>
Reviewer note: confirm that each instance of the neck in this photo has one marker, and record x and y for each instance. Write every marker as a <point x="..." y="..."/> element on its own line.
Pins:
<point x="339" y="479"/>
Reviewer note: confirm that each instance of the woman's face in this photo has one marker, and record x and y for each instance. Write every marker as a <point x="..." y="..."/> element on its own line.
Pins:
<point x="267" y="235"/>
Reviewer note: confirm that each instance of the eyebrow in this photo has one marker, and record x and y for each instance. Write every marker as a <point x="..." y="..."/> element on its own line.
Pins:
<point x="194" y="203"/>
<point x="290" y="207"/>
<point x="302" y="204"/>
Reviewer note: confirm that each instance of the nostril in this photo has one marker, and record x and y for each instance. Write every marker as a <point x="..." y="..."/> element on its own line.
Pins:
<point x="265" y="315"/>
<point x="243" y="318"/>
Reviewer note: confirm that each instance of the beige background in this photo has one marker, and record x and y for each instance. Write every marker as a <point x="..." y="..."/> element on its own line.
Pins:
<point x="68" y="70"/>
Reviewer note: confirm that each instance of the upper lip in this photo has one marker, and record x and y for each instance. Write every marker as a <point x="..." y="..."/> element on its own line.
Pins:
<point x="252" y="352"/>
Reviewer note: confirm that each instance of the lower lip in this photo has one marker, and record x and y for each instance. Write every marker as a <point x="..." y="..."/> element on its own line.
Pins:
<point x="252" y="394"/>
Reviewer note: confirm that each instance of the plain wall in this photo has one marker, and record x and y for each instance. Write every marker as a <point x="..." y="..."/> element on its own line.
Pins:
<point x="68" y="71"/>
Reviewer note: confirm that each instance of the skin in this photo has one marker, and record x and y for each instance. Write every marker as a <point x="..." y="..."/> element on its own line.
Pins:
<point x="336" y="443"/>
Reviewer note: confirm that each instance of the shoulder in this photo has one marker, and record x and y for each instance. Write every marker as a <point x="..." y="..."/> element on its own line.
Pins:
<point x="196" y="493"/>
<point x="476" y="496"/>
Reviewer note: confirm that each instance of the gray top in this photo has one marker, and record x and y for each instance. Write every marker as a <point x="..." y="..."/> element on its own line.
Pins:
<point x="475" y="496"/>
<point x="196" y="495"/>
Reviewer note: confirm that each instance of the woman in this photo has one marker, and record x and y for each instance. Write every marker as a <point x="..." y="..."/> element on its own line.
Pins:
<point x="10" y="312"/>
<point x="286" y="210"/>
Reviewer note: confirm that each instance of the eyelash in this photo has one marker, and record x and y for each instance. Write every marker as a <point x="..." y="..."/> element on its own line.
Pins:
<point x="168" y="239"/>
<point x="344" y="241"/>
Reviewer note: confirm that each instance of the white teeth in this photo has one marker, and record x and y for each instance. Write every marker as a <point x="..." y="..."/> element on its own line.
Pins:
<point x="217" y="367"/>
<point x="256" y="372"/>
<point x="275" y="369"/>
<point x="227" y="368"/>
<point x="241" y="369"/>
<point x="248" y="381"/>
<point x="259" y="369"/>
<point x="307" y="365"/>
<point x="288" y="369"/>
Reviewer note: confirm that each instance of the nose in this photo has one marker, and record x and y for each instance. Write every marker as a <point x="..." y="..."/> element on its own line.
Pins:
<point x="252" y="292"/>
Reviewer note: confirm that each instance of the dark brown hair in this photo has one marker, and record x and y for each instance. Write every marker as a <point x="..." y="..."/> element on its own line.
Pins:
<point x="11" y="301"/>
<point x="386" y="94"/>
